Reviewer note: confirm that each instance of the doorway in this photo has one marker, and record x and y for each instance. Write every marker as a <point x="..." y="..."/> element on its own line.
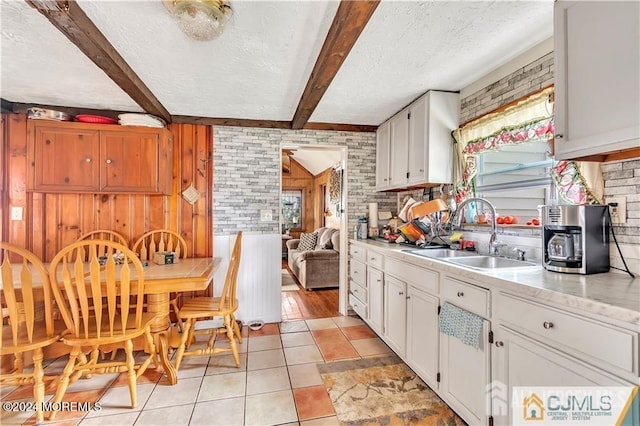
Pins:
<point x="315" y="171"/>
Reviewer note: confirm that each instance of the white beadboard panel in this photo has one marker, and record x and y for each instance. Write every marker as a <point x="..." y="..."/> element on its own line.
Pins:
<point x="259" y="277"/>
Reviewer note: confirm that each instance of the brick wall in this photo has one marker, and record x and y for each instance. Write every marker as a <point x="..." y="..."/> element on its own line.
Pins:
<point x="523" y="81"/>
<point x="622" y="178"/>
<point x="247" y="166"/>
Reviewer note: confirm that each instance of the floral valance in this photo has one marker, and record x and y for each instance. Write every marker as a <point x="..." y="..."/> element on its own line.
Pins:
<point x="579" y="182"/>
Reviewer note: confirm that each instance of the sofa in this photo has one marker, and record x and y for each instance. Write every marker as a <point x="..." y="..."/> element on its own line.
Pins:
<point x="318" y="267"/>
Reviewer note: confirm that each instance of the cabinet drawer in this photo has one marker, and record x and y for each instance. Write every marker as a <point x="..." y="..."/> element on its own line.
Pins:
<point x="614" y="346"/>
<point x="466" y="296"/>
<point x="422" y="278"/>
<point x="358" y="272"/>
<point x="357" y="290"/>
<point x="358" y="306"/>
<point x="358" y="252"/>
<point x="375" y="259"/>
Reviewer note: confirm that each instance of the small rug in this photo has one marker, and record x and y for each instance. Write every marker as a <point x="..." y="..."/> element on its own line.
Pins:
<point x="383" y="391"/>
<point x="288" y="283"/>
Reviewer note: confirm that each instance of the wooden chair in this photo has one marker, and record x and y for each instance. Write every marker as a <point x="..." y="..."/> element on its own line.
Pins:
<point x="94" y="301"/>
<point x="162" y="240"/>
<point x="26" y="328"/>
<point x="223" y="306"/>
<point x="104" y="234"/>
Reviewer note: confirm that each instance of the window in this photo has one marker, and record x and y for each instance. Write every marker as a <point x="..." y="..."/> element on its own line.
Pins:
<point x="291" y="209"/>
<point x="516" y="178"/>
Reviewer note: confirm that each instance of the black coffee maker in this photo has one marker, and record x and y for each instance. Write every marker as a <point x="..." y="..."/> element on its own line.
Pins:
<point x="575" y="239"/>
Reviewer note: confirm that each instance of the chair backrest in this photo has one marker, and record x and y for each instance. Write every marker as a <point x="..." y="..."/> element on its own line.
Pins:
<point x="104" y="234"/>
<point x="160" y="240"/>
<point x="93" y="290"/>
<point x="231" y="280"/>
<point x="23" y="279"/>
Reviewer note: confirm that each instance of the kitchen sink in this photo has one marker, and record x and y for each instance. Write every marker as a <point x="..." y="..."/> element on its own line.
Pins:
<point x="490" y="262"/>
<point x="441" y="253"/>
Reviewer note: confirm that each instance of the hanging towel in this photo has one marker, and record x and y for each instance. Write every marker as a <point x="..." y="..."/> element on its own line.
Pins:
<point x="461" y="324"/>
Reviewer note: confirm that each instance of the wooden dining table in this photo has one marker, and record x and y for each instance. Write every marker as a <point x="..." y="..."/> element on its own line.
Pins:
<point x="190" y="274"/>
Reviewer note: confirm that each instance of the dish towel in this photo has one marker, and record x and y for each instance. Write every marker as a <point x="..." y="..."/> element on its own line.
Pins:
<point x="461" y="324"/>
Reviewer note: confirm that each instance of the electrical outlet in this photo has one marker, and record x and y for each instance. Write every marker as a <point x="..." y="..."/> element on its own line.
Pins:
<point x="266" y="216"/>
<point x="618" y="209"/>
<point x="16" y="213"/>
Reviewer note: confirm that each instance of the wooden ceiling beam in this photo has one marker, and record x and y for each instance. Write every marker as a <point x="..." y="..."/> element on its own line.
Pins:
<point x="340" y="127"/>
<point x="236" y="122"/>
<point x="350" y="20"/>
<point x="70" y="20"/>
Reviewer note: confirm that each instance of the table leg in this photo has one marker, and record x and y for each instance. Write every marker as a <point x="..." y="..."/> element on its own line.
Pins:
<point x="160" y="328"/>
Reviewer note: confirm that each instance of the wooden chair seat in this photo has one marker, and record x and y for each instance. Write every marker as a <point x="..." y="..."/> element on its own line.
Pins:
<point x="40" y="338"/>
<point x="223" y="307"/>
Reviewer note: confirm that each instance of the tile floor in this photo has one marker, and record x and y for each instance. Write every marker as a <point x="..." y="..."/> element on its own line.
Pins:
<point x="277" y="382"/>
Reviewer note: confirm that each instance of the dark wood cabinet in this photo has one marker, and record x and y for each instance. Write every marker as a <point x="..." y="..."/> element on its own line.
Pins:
<point x="80" y="157"/>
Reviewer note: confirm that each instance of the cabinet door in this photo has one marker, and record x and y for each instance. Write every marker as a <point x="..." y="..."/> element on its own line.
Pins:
<point x="395" y="314"/>
<point x="64" y="159"/>
<point x="422" y="335"/>
<point x="464" y="376"/>
<point x="130" y="162"/>
<point x="383" y="141"/>
<point x="376" y="299"/>
<point x="520" y="361"/>
<point x="417" y="153"/>
<point x="597" y="56"/>
<point x="399" y="149"/>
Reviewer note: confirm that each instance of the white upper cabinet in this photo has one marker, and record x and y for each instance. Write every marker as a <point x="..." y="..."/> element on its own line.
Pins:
<point x="597" y="77"/>
<point x="420" y="150"/>
<point x="383" y="141"/>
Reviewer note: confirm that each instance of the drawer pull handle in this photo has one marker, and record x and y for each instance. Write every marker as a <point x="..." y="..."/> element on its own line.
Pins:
<point x="355" y="290"/>
<point x="547" y="325"/>
<point x="460" y="294"/>
<point x="87" y="160"/>
<point x="400" y="293"/>
<point x="499" y="343"/>
<point x="378" y="281"/>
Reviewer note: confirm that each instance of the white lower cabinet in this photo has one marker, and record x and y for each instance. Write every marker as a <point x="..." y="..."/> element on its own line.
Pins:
<point x="375" y="281"/>
<point x="464" y="376"/>
<point x="395" y="314"/>
<point x="521" y="361"/>
<point x="422" y="335"/>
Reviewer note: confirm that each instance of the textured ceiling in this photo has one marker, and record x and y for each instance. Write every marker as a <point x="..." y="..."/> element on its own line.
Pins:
<point x="258" y="68"/>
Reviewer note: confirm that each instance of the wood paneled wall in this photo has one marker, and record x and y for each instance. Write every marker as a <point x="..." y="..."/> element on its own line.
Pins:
<point x="51" y="221"/>
<point x="300" y="178"/>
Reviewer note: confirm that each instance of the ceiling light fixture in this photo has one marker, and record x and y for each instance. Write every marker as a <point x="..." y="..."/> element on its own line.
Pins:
<point x="200" y="19"/>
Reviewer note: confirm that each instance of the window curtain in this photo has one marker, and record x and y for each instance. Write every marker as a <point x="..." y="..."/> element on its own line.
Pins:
<point x="528" y="120"/>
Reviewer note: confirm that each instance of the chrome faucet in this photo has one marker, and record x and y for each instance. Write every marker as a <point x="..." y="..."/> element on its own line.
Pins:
<point x="493" y="244"/>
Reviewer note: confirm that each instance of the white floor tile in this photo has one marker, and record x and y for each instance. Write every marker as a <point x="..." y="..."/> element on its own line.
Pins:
<point x="304" y="375"/>
<point x="265" y="359"/>
<point x="297" y="339"/>
<point x="347" y="321"/>
<point x="223" y="386"/>
<point x="321" y="324"/>
<point x="323" y="421"/>
<point x="293" y="327"/>
<point x="225" y="363"/>
<point x="222" y="412"/>
<point x="166" y="395"/>
<point x="267" y="380"/>
<point x="117" y="401"/>
<point x="303" y="355"/>
<point x="263" y="343"/>
<point x="116" y="419"/>
<point x="176" y="416"/>
<point x="270" y="408"/>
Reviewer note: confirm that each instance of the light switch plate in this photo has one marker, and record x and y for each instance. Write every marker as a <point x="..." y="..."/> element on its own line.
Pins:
<point x="618" y="209"/>
<point x="16" y="213"/>
<point x="266" y="216"/>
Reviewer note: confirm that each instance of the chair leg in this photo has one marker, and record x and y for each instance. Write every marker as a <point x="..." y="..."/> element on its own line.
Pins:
<point x="64" y="380"/>
<point x="232" y="341"/>
<point x="183" y="342"/>
<point x="38" y="386"/>
<point x="236" y="328"/>
<point x="131" y="372"/>
<point x="152" y="354"/>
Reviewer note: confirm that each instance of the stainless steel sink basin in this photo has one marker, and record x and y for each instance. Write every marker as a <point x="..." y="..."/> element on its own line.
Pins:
<point x="491" y="263"/>
<point x="443" y="253"/>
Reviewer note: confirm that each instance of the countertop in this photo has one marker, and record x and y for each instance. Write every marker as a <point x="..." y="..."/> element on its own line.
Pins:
<point x="612" y="296"/>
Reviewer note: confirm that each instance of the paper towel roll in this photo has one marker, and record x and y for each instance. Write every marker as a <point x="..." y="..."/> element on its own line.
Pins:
<point x="373" y="215"/>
